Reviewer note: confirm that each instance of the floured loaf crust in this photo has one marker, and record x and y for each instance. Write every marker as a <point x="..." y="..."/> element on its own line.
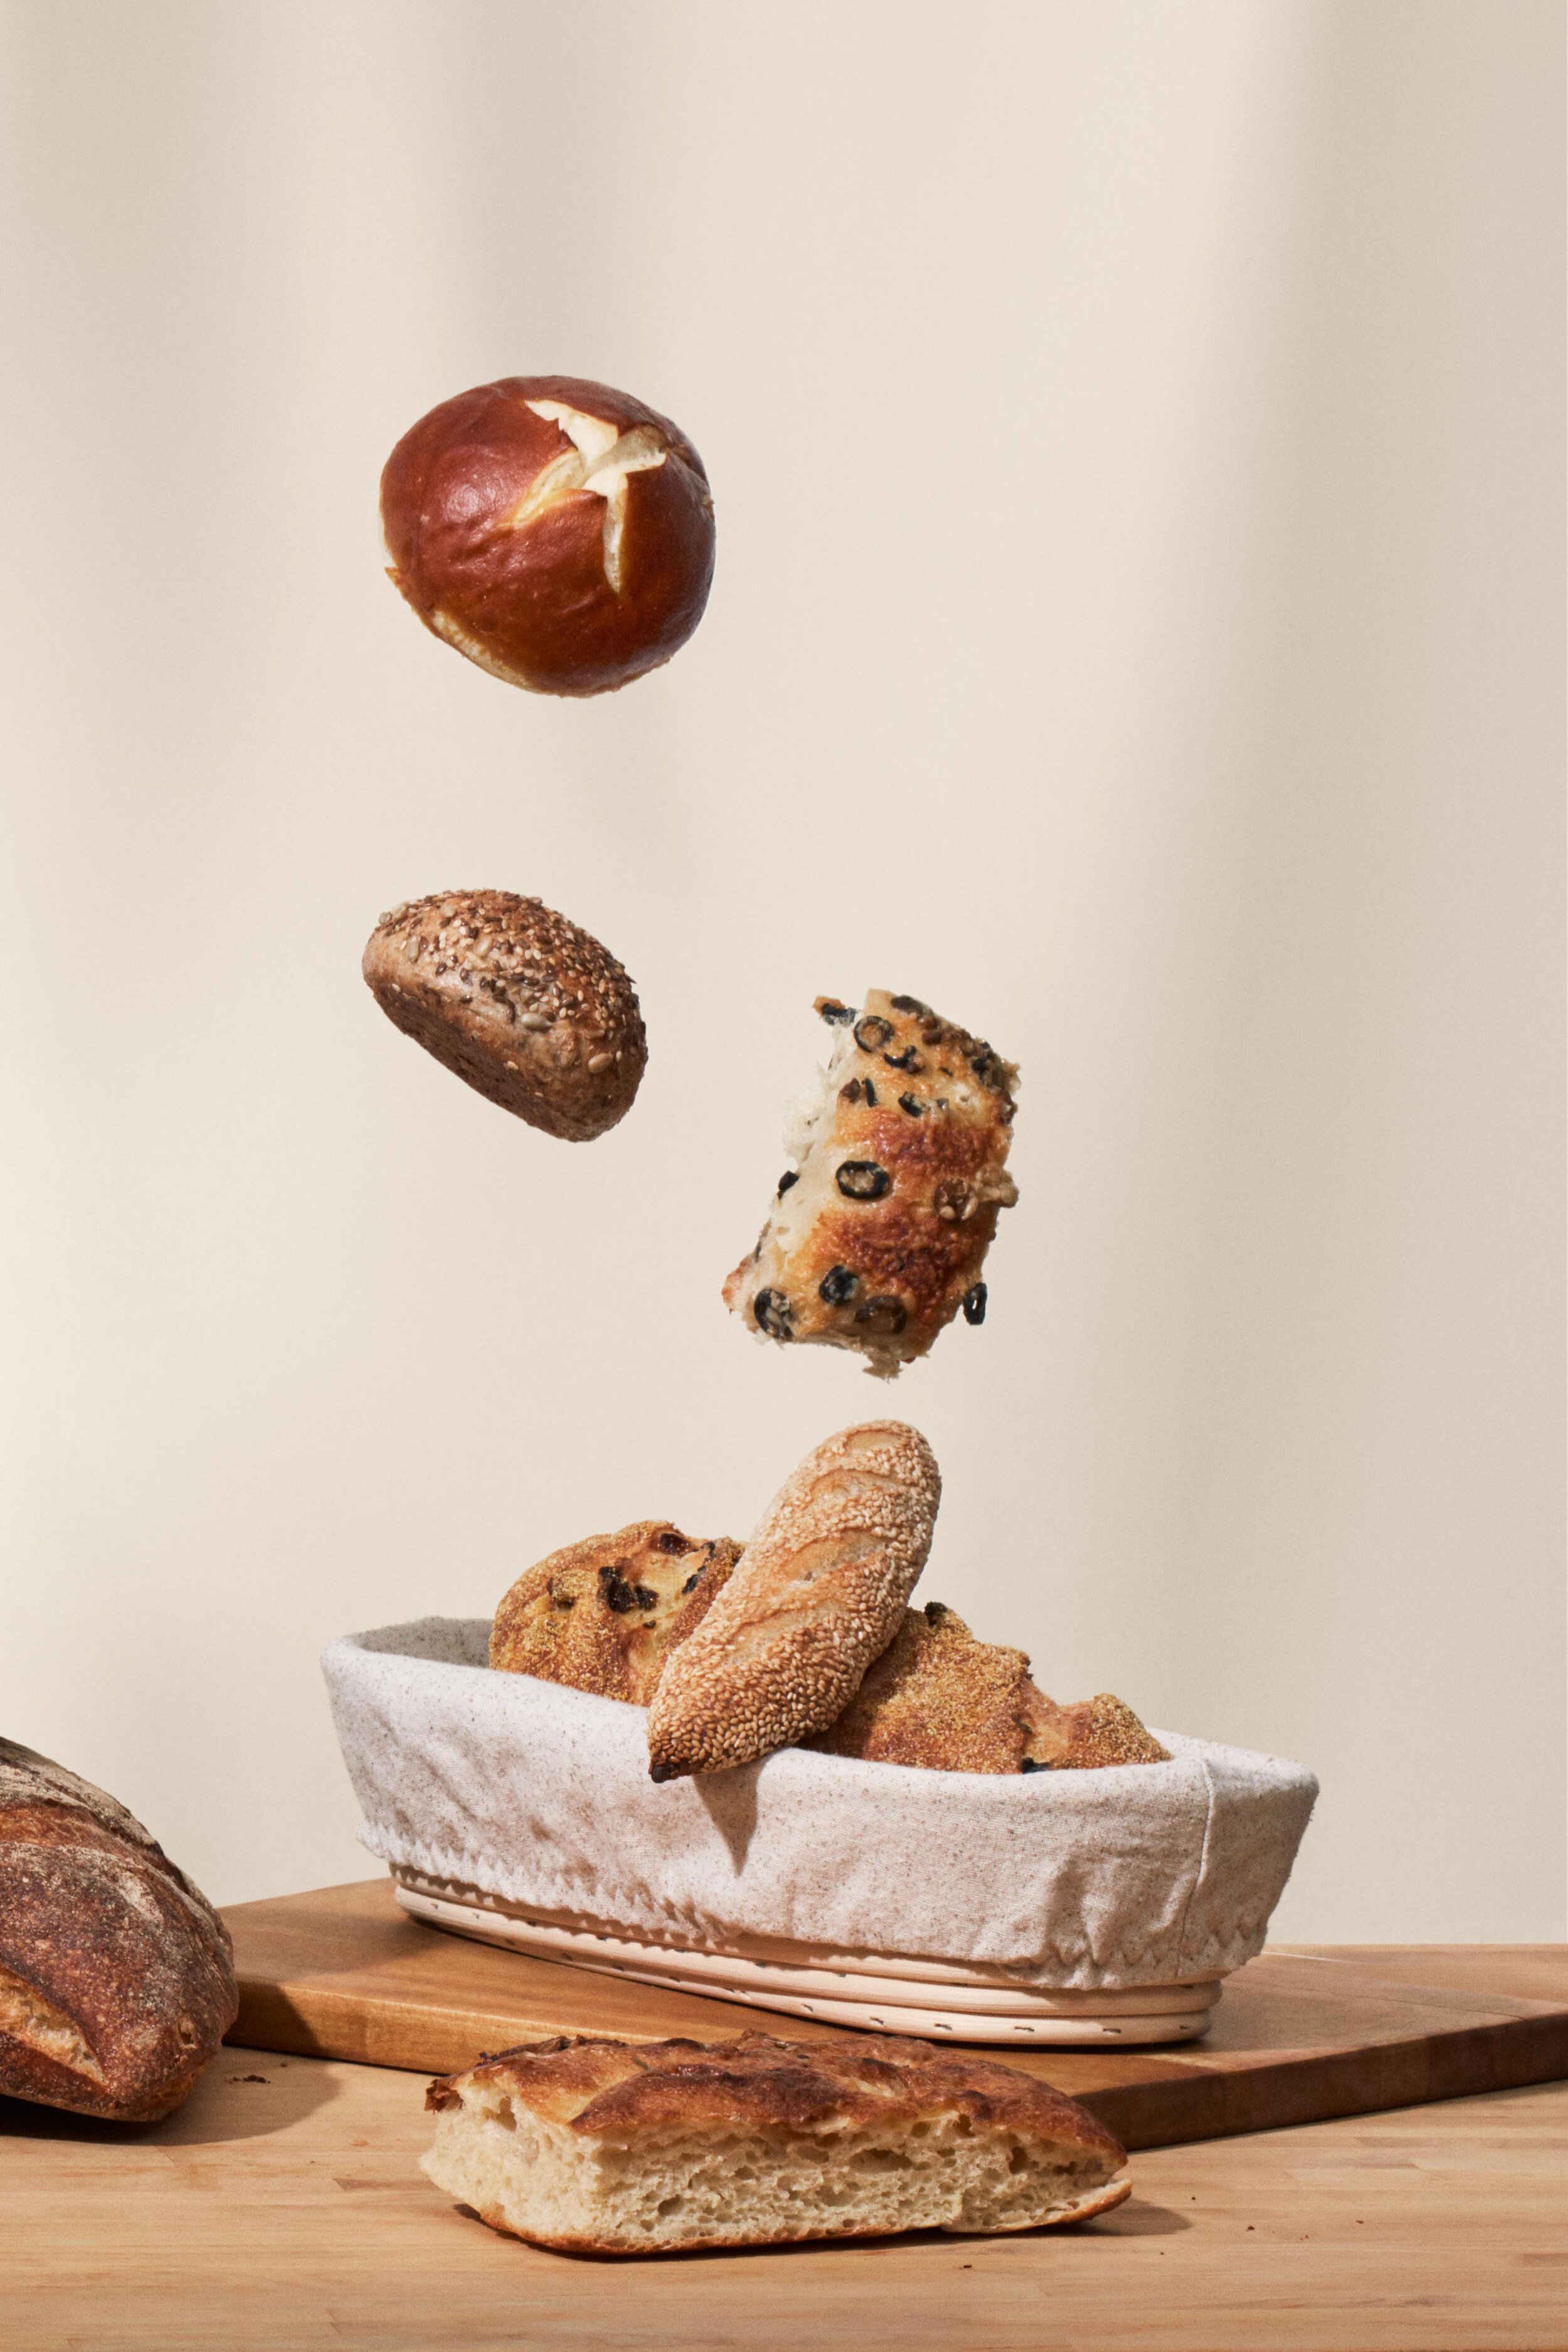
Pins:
<point x="603" y="1615"/>
<point x="612" y="2148"/>
<point x="116" y="1974"/>
<point x="878" y="1233"/>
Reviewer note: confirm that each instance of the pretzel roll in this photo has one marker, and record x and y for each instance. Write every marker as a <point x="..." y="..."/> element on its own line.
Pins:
<point x="558" y="533"/>
<point x="819" y="1592"/>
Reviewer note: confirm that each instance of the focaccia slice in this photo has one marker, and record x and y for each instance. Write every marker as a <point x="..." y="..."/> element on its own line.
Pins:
<point x="603" y="1615"/>
<point x="612" y="2148"/>
<point x="878" y="1233"/>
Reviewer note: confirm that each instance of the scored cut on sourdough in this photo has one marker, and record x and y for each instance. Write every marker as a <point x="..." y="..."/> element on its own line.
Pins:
<point x="878" y="1233"/>
<point x="599" y="2146"/>
<point x="603" y="1615"/>
<point x="819" y="1592"/>
<point x="116" y="1974"/>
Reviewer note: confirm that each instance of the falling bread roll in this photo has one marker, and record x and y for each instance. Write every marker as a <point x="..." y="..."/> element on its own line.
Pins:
<point x="522" y="1003"/>
<point x="598" y="2147"/>
<point x="558" y="533"/>
<point x="819" y="1592"/>
<point x="877" y="1236"/>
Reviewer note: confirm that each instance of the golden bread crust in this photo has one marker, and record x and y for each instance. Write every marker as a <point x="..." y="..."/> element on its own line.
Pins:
<point x="878" y="1237"/>
<point x="510" y="546"/>
<point x="628" y="2100"/>
<point x="518" y="1001"/>
<point x="1088" y="1736"/>
<point x="819" y="1592"/>
<point x="603" y="1615"/>
<point x="938" y="1698"/>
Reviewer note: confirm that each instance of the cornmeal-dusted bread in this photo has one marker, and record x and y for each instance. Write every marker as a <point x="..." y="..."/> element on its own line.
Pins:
<point x="518" y="1001"/>
<point x="605" y="1614"/>
<point x="1086" y="1736"/>
<point x="819" y="1592"/>
<point x="614" y="2148"/>
<point x="116" y="1974"/>
<point x="877" y="1234"/>
<point x="938" y="1698"/>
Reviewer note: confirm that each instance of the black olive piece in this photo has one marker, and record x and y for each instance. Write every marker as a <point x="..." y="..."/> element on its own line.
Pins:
<point x="620" y="1596"/>
<point x="974" y="1304"/>
<point x="835" y="1013"/>
<point x="913" y="1104"/>
<point x="785" y="1180"/>
<point x="888" y="1314"/>
<point x="672" y="1540"/>
<point x="908" y="1004"/>
<point x="861" y="1180"/>
<point x="773" y="1313"/>
<point x="873" y="1033"/>
<point x="837" y="1285"/>
<point x="692" y="1582"/>
<point x="869" y="1092"/>
<point x="1033" y="1764"/>
<point x="908" y="1060"/>
<point x="851" y="1093"/>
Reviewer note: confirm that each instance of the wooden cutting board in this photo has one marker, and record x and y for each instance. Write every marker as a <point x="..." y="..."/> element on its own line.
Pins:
<point x="1301" y="2033"/>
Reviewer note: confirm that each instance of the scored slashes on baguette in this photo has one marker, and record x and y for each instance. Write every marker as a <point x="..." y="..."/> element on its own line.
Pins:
<point x="818" y="1593"/>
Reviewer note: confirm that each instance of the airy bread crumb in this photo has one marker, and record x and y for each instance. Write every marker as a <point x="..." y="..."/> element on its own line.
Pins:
<point x="598" y="2147"/>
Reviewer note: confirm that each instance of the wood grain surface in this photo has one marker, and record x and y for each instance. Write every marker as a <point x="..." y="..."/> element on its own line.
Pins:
<point x="1299" y="2035"/>
<point x="281" y="2210"/>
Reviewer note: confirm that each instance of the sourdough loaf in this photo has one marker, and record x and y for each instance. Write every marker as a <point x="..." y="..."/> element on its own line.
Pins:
<point x="614" y="2148"/>
<point x="819" y="1591"/>
<point x="116" y="1974"/>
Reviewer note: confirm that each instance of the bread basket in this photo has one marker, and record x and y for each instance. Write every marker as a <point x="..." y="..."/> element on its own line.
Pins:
<point x="1087" y="1906"/>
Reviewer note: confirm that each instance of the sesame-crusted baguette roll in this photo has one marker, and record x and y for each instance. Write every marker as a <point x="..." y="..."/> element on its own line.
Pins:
<point x="819" y="1595"/>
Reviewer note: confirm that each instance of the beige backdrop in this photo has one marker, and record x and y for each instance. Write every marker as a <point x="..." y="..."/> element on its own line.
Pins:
<point x="1133" y="426"/>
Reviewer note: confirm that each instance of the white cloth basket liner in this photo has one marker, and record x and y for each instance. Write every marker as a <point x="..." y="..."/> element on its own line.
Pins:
<point x="1142" y="1873"/>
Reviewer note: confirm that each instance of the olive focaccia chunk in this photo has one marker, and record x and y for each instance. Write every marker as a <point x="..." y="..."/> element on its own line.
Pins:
<point x="878" y="1233"/>
<point x="939" y="1699"/>
<point x="603" y="1615"/>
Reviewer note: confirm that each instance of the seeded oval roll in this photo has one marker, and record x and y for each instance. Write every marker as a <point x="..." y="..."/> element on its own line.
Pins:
<point x="819" y="1592"/>
<point x="556" y="531"/>
<point x="520" y="1003"/>
<point x="877" y="1234"/>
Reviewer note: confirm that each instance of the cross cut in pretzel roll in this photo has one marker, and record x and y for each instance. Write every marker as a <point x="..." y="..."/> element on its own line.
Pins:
<point x="557" y="531"/>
